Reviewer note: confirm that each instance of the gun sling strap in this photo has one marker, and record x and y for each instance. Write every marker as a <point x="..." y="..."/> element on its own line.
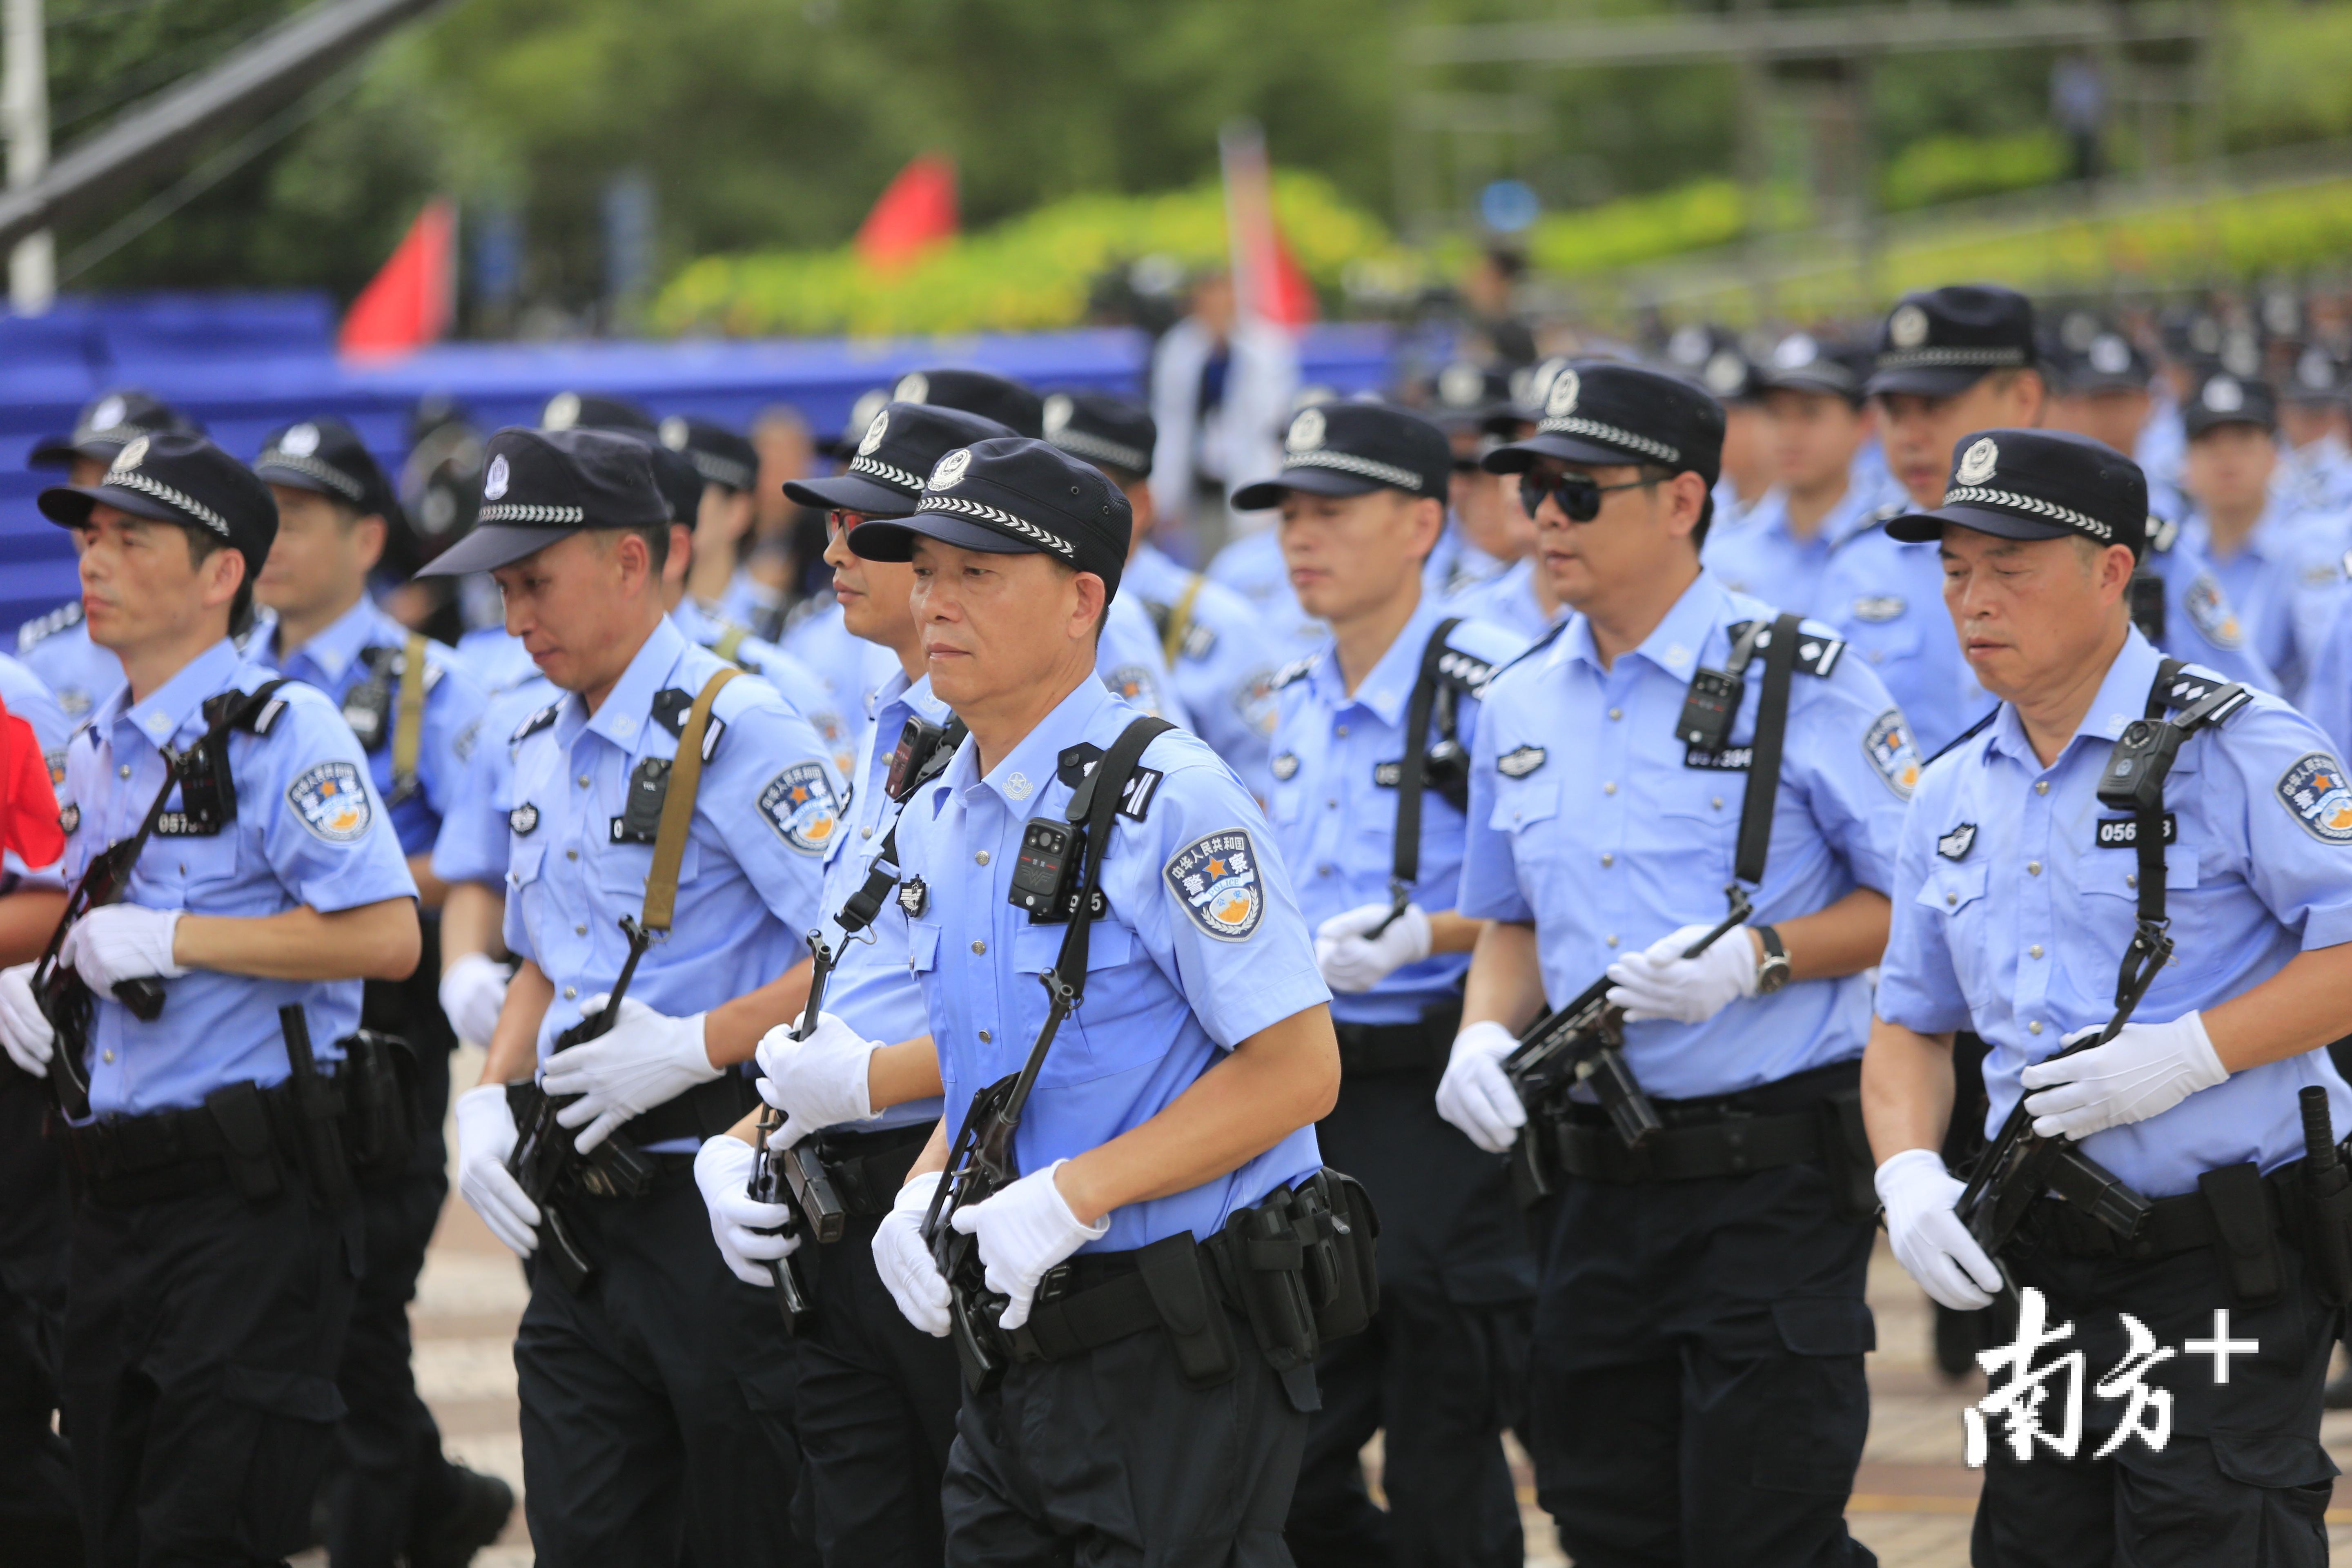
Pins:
<point x="1180" y="619"/>
<point x="860" y="909"/>
<point x="711" y="1108"/>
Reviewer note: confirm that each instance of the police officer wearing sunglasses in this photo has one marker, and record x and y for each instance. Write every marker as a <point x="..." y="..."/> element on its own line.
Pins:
<point x="1679" y="763"/>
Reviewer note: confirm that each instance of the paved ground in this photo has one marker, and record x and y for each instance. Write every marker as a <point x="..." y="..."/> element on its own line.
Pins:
<point x="1912" y="1502"/>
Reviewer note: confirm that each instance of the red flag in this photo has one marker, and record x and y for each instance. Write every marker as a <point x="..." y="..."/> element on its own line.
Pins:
<point x="1267" y="282"/>
<point x="410" y="302"/>
<point x="917" y="212"/>
<point x="28" y="807"/>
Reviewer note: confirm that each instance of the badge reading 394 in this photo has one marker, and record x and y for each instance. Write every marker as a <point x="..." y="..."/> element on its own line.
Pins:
<point x="331" y="802"/>
<point x="798" y="804"/>
<point x="1216" y="879"/>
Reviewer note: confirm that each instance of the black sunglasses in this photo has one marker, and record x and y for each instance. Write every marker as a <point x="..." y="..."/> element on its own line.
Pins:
<point x="1577" y="494"/>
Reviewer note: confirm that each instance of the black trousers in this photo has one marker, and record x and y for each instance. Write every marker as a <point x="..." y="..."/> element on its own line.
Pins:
<point x="391" y="1476"/>
<point x="1697" y="1388"/>
<point x="656" y="1403"/>
<point x="201" y="1337"/>
<point x="2242" y="1478"/>
<point x="1441" y="1368"/>
<point x="875" y="1409"/>
<point x="37" y="1515"/>
<point x="1107" y="1458"/>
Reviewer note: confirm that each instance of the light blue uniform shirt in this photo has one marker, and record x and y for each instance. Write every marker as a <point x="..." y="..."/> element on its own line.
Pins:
<point x="2010" y="917"/>
<point x="872" y="988"/>
<point x="454" y="702"/>
<point x="1224" y="670"/>
<point x="1128" y="660"/>
<point x="78" y="673"/>
<point x="499" y="662"/>
<point x="309" y="830"/>
<point x="2282" y="582"/>
<point x="2200" y="624"/>
<point x="1454" y="565"/>
<point x="474" y="834"/>
<point x="811" y="696"/>
<point x="766" y="812"/>
<point x="1204" y="947"/>
<point x="1761" y="556"/>
<point x="1336" y="824"/>
<point x="1886" y="598"/>
<point x="1587" y="819"/>
<point x="1509" y="602"/>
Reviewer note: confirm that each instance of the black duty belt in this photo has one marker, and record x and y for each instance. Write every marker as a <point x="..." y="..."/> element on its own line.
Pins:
<point x="1795" y="1120"/>
<point x="1371" y="1050"/>
<point x="868" y="1168"/>
<point x="1094" y="1300"/>
<point x="127" y="1160"/>
<point x="703" y="1111"/>
<point x="2174" y="1225"/>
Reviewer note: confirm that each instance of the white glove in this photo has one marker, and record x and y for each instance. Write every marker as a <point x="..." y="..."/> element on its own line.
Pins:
<point x="818" y="1082"/>
<point x="1934" y="1248"/>
<point x="1022" y="1231"/>
<point x="903" y="1258"/>
<point x="1352" y="961"/>
<point x="29" y="1040"/>
<point x="722" y="1169"/>
<point x="486" y="1138"/>
<point x="1474" y="1095"/>
<point x="646" y="1059"/>
<point x="1659" y="983"/>
<point x="473" y="990"/>
<point x="2144" y="1071"/>
<point x="121" y="942"/>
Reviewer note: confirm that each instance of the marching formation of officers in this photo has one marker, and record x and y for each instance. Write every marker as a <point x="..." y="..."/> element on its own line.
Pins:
<point x="1486" y="954"/>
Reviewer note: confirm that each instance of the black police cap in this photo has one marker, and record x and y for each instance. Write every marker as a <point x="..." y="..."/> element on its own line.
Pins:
<point x="2317" y="377"/>
<point x="1008" y="402"/>
<point x="1465" y="396"/>
<point x="595" y="411"/>
<point x="853" y="429"/>
<point x="1014" y="496"/>
<point x="902" y="443"/>
<point x="1713" y="357"/>
<point x="1941" y="341"/>
<point x="2109" y="362"/>
<point x="106" y="424"/>
<point x="540" y="485"/>
<point x="1600" y="411"/>
<point x="720" y="455"/>
<point x="173" y="477"/>
<point x="1351" y="448"/>
<point x="2037" y="484"/>
<point x="1102" y="428"/>
<point x="2221" y="398"/>
<point x="327" y="456"/>
<point x="1802" y="363"/>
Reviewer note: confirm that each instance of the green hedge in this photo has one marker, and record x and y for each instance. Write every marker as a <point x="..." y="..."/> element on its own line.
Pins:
<point x="1033" y="272"/>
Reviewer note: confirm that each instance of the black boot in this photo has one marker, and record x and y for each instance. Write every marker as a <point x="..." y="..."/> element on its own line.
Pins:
<point x="474" y="1519"/>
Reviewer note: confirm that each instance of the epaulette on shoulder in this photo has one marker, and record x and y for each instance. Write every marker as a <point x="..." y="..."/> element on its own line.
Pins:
<point x="536" y="722"/>
<point x="42" y="628"/>
<point x="1464" y="670"/>
<point x="1817" y="655"/>
<point x="1970" y="733"/>
<point x="2163" y="533"/>
<point x="1297" y="669"/>
<point x="672" y="703"/>
<point x="1532" y="649"/>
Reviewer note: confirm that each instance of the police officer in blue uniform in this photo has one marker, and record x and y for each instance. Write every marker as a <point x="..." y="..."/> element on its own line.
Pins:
<point x="56" y="645"/>
<point x="1137" y="1376"/>
<point x="876" y="1400"/>
<point x="1371" y="814"/>
<point x="2223" y="895"/>
<point x="1217" y="660"/>
<point x="213" y="1241"/>
<point x="655" y="1395"/>
<point x="1697" y="1383"/>
<point x="392" y="1490"/>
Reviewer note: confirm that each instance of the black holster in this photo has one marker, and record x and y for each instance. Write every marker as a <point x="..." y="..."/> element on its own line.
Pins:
<point x="2248" y="1232"/>
<point x="248" y="1147"/>
<point x="379" y="1083"/>
<point x="1185" y="1298"/>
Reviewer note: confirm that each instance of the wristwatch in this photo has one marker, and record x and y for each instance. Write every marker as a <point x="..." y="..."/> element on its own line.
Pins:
<point x="1773" y="973"/>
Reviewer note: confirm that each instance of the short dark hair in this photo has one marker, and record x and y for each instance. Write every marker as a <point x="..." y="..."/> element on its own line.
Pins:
<point x="1659" y="474"/>
<point x="656" y="538"/>
<point x="202" y="545"/>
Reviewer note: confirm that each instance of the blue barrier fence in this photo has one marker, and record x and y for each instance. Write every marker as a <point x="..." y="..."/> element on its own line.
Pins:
<point x="244" y="363"/>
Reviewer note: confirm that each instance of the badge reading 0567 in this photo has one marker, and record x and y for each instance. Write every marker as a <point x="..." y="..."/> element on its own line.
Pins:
<point x="1216" y="879"/>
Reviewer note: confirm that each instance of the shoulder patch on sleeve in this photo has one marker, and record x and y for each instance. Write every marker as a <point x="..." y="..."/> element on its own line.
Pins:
<point x="2313" y="791"/>
<point x="799" y="804"/>
<point x="536" y="722"/>
<point x="1137" y="684"/>
<point x="1887" y="744"/>
<point x="333" y="803"/>
<point x="1216" y="881"/>
<point x="2210" y="613"/>
<point x="42" y="628"/>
